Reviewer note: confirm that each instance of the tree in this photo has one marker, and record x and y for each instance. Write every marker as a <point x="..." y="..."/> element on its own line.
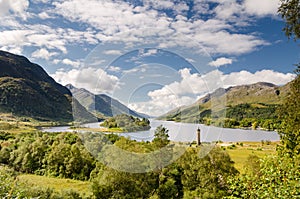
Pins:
<point x="290" y="12"/>
<point x="111" y="183"/>
<point x="290" y="115"/>
<point x="161" y="137"/>
<point x="206" y="177"/>
<point x="290" y="112"/>
<point x="278" y="177"/>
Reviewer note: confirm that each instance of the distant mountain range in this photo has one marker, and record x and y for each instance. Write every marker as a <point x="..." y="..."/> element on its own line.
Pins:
<point x="26" y="90"/>
<point x="102" y="105"/>
<point x="261" y="98"/>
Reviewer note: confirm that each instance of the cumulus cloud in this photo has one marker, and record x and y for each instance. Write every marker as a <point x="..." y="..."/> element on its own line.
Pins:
<point x="114" y="69"/>
<point x="16" y="8"/>
<point x="44" y="15"/>
<point x="43" y="54"/>
<point x="155" y="107"/>
<point x="261" y="8"/>
<point x="68" y="62"/>
<point x="142" y="24"/>
<point x="146" y="23"/>
<point x="220" y="62"/>
<point x="112" y="52"/>
<point x="12" y="49"/>
<point x="43" y="36"/>
<point x="75" y="64"/>
<point x="94" y="80"/>
<point x="147" y="52"/>
<point x="245" y="77"/>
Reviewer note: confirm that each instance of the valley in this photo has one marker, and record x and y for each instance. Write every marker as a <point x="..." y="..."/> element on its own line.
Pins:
<point x="52" y="144"/>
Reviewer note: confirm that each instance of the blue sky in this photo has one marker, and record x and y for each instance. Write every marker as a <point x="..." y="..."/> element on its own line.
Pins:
<point x="151" y="55"/>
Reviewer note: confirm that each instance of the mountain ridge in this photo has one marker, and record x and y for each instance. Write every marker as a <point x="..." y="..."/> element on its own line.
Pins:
<point x="101" y="104"/>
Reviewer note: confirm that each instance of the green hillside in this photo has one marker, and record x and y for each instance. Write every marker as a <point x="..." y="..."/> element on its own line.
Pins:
<point x="239" y="106"/>
<point x="26" y="90"/>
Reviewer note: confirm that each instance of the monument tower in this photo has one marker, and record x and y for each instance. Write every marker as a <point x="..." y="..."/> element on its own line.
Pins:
<point x="198" y="137"/>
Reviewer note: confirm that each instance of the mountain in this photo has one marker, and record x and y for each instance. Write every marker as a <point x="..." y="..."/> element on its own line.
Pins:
<point x="27" y="90"/>
<point x="101" y="104"/>
<point x="258" y="100"/>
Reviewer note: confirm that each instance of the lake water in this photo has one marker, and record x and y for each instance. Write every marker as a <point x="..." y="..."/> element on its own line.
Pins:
<point x="187" y="132"/>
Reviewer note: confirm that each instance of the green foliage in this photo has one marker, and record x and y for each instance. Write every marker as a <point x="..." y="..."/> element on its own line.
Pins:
<point x="12" y="187"/>
<point x="290" y="116"/>
<point x="290" y="12"/>
<point x="5" y="135"/>
<point x="60" y="155"/>
<point x="253" y="164"/>
<point x="116" y="184"/>
<point x="170" y="184"/>
<point x="243" y="115"/>
<point x="64" y="155"/>
<point x="161" y="137"/>
<point x="206" y="177"/>
<point x="276" y="177"/>
<point x="188" y="177"/>
<point x="127" y="123"/>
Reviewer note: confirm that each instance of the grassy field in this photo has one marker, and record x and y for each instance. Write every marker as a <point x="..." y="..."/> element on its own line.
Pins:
<point x="59" y="185"/>
<point x="239" y="152"/>
<point x="13" y="124"/>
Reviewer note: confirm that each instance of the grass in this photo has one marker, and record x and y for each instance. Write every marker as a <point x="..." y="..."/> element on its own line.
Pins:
<point x="13" y="124"/>
<point x="59" y="185"/>
<point x="239" y="154"/>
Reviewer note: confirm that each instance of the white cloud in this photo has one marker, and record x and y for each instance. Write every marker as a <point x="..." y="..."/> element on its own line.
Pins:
<point x="228" y="9"/>
<point x="43" y="36"/>
<point x="67" y="61"/>
<point x="43" y="54"/>
<point x="131" y="24"/>
<point x="261" y="8"/>
<point x="114" y="69"/>
<point x="16" y="8"/>
<point x="44" y="15"/>
<point x="155" y="107"/>
<point x="56" y="61"/>
<point x="147" y="52"/>
<point x="245" y="77"/>
<point x="112" y="52"/>
<point x="94" y="80"/>
<point x="220" y="62"/>
<point x="12" y="49"/>
<point x="139" y="24"/>
<point x="40" y="1"/>
<point x="162" y="4"/>
<point x="75" y="64"/>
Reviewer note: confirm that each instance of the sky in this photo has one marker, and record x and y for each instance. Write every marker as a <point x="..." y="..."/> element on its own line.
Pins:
<point x="152" y="55"/>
